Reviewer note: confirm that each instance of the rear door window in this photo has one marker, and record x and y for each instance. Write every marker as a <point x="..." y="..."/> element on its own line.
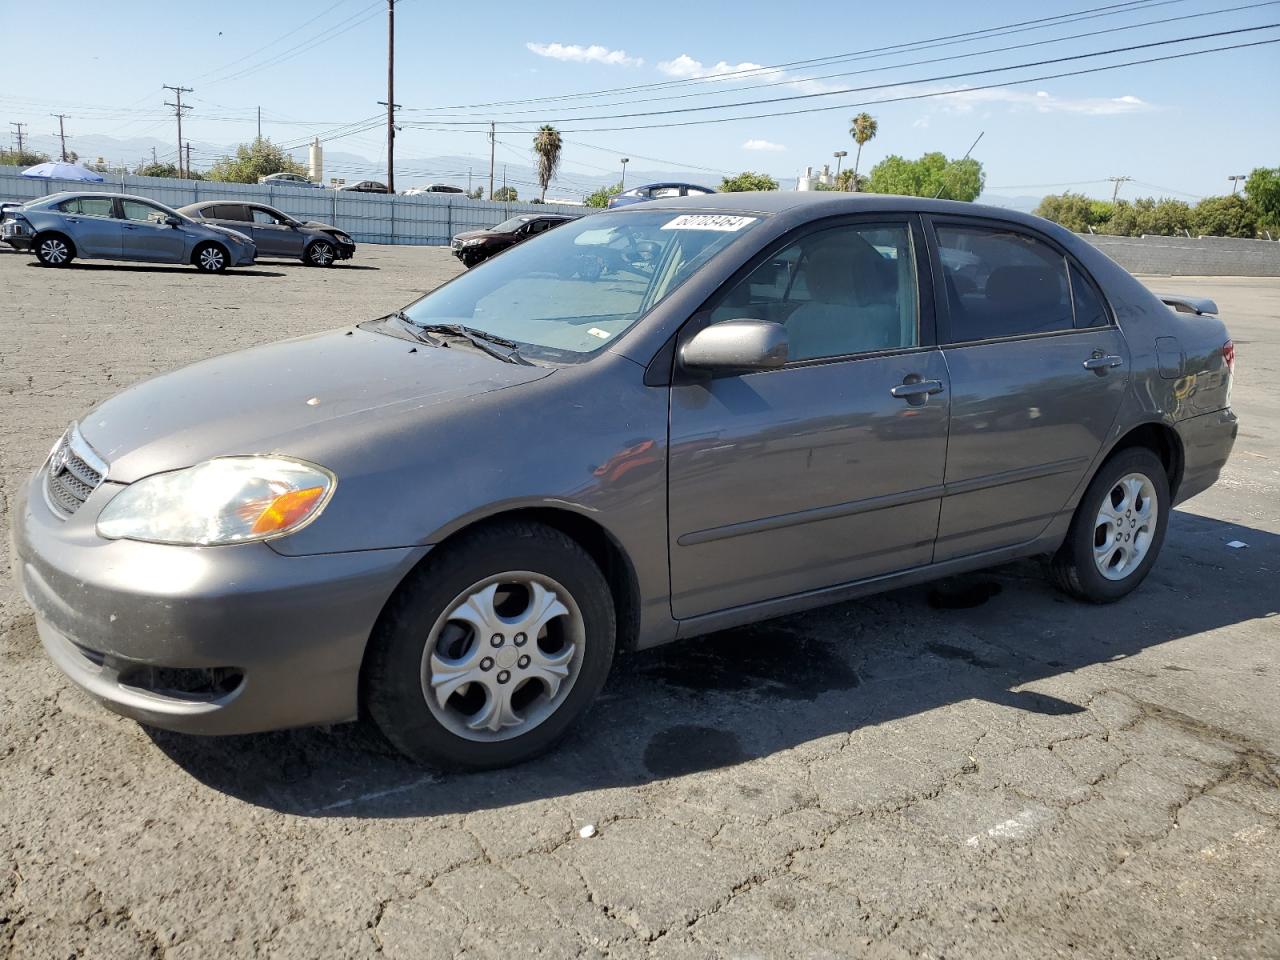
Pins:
<point x="89" y="206"/>
<point x="232" y="211"/>
<point x="1002" y="283"/>
<point x="1089" y="307"/>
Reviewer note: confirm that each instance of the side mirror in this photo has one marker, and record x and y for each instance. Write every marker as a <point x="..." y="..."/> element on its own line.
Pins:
<point x="172" y="221"/>
<point x="736" y="346"/>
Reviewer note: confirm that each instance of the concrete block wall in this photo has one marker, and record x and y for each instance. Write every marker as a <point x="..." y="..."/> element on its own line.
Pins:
<point x="1192" y="256"/>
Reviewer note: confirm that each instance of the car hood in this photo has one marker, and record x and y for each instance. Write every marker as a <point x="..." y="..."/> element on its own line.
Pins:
<point x="317" y="225"/>
<point x="244" y="237"/>
<point x="481" y="235"/>
<point x="317" y="397"/>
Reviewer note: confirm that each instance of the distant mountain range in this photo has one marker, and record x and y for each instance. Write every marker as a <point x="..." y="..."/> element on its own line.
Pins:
<point x="458" y="170"/>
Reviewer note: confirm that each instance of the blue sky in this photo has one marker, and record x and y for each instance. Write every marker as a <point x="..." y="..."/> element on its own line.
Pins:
<point x="1180" y="126"/>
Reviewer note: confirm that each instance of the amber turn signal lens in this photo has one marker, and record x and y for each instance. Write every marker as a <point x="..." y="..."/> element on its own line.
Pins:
<point x="287" y="509"/>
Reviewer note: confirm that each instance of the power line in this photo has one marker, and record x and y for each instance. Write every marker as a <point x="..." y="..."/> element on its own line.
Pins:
<point x="798" y="80"/>
<point x="940" y="78"/>
<point x="254" y="53"/>
<point x="966" y="36"/>
<point x="925" y="96"/>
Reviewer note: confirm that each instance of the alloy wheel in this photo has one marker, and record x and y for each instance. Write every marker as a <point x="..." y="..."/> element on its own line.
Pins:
<point x="54" y="251"/>
<point x="212" y="259"/>
<point x="503" y="656"/>
<point x="1125" y="526"/>
<point x="321" y="254"/>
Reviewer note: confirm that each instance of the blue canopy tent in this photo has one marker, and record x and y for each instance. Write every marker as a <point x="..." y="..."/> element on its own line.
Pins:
<point x="57" y="170"/>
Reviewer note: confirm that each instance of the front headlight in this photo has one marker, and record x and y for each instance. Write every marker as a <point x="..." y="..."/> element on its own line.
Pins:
<point x="227" y="500"/>
<point x="343" y="238"/>
<point x="473" y="242"/>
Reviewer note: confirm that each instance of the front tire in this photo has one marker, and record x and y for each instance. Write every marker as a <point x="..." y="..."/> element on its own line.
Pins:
<point x="489" y="652"/>
<point x="319" y="253"/>
<point x="54" y="250"/>
<point x="210" y="258"/>
<point x="1118" y="529"/>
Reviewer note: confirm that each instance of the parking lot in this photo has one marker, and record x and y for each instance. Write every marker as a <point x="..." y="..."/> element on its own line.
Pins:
<point x="973" y="769"/>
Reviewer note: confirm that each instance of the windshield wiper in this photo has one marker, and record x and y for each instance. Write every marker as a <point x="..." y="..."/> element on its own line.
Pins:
<point x="482" y="339"/>
<point x="412" y="328"/>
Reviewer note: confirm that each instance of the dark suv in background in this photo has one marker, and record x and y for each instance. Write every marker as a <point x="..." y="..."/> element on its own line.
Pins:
<point x="276" y="233"/>
<point x="473" y="246"/>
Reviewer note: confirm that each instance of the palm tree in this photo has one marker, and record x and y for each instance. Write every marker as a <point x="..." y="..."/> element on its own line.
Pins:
<point x="546" y="148"/>
<point x="862" y="128"/>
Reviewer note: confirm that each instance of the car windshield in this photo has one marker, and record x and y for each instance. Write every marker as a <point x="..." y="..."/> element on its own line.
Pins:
<point x="570" y="292"/>
<point x="510" y="226"/>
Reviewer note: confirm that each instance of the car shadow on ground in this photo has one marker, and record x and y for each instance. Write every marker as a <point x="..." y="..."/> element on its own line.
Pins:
<point x="723" y="699"/>
<point x="177" y="268"/>
<point x="340" y="265"/>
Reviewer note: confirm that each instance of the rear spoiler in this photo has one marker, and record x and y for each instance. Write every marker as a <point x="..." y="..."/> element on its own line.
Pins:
<point x="1197" y="305"/>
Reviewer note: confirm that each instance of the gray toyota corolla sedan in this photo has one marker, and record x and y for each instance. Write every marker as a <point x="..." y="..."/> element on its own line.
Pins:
<point x="452" y="517"/>
<point x="116" y="226"/>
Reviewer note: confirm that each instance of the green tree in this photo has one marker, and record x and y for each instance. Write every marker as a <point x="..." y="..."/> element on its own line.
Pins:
<point x="862" y="128"/>
<point x="505" y="194"/>
<point x="1230" y="216"/>
<point x="602" y="196"/>
<point x="156" y="170"/>
<point x="849" y="180"/>
<point x="1071" y="210"/>
<point x="261" y="158"/>
<point x="1263" y="191"/>
<point x="747" y="181"/>
<point x="25" y="158"/>
<point x="933" y="175"/>
<point x="546" y="151"/>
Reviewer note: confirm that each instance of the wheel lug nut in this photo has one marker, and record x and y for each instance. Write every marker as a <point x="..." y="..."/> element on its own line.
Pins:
<point x="523" y="662"/>
<point x="503" y="676"/>
<point x="496" y="640"/>
<point x="486" y="663"/>
<point x="520" y="639"/>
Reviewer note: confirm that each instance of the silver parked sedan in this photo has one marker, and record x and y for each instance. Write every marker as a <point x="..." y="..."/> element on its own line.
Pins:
<point x="116" y="226"/>
<point x="455" y="515"/>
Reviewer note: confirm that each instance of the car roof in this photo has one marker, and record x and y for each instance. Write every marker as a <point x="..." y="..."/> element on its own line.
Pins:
<point x="822" y="203"/>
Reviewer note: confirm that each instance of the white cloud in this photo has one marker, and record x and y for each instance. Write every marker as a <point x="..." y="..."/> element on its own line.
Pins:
<point x="767" y="146"/>
<point x="574" y="53"/>
<point x="964" y="101"/>
<point x="685" y="67"/>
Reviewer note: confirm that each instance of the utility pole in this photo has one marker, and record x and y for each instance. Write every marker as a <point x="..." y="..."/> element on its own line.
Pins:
<point x="177" y="109"/>
<point x="1235" y="180"/>
<point x="504" y="181"/>
<point x="468" y="180"/>
<point x="188" y="158"/>
<point x="19" y="126"/>
<point x="391" y="96"/>
<point x="62" y="134"/>
<point x="622" y="184"/>
<point x="1115" y="192"/>
<point x="154" y="161"/>
<point x="259" y="122"/>
<point x="492" y="140"/>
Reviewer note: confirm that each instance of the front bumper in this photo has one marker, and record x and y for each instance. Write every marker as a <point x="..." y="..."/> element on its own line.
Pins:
<point x="243" y="258"/>
<point x="16" y="234"/>
<point x="280" y="639"/>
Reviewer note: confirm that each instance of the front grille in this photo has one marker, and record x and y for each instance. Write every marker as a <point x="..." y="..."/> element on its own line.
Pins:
<point x="73" y="473"/>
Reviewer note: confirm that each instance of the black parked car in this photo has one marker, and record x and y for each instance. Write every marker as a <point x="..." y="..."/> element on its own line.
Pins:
<point x="276" y="233"/>
<point x="473" y="246"/>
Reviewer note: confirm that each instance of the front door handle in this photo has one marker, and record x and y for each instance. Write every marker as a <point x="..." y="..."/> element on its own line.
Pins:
<point x="1100" y="362"/>
<point x="915" y="390"/>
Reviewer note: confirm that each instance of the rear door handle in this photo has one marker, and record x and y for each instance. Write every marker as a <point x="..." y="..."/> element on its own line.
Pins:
<point x="1098" y="362"/>
<point x="913" y="389"/>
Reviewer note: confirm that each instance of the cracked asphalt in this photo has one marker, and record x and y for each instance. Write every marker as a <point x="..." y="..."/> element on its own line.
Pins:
<point x="978" y="768"/>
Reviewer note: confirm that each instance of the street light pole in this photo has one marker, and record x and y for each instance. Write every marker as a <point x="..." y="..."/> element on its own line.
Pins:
<point x="1235" y="182"/>
<point x="839" y="155"/>
<point x="622" y="184"/>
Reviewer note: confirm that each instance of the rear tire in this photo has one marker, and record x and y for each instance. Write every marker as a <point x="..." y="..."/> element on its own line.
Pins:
<point x="490" y="652"/>
<point x="53" y="250"/>
<point x="1118" y="529"/>
<point x="319" y="253"/>
<point x="210" y="257"/>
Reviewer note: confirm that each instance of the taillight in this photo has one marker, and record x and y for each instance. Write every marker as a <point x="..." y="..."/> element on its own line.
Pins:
<point x="1229" y="355"/>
